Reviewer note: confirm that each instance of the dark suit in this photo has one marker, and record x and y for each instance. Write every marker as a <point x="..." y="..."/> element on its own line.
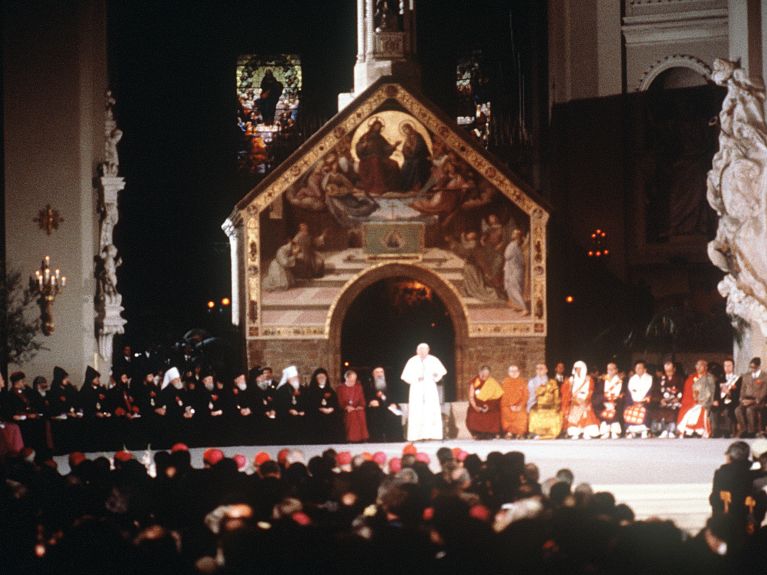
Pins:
<point x="753" y="396"/>
<point x="723" y="420"/>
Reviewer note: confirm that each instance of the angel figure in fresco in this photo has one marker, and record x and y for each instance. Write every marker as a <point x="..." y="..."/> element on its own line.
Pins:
<point x="377" y="171"/>
<point x="514" y="272"/>
<point x="280" y="276"/>
<point x="416" y="168"/>
<point x="438" y="159"/>
<point x="448" y="193"/>
<point x="309" y="195"/>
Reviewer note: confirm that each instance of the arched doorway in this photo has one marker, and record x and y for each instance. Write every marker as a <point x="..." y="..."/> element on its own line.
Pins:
<point x="386" y="322"/>
<point x="353" y="311"/>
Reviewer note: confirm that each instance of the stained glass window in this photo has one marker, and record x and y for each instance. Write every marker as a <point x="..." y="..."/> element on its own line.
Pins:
<point x="268" y="98"/>
<point x="472" y="84"/>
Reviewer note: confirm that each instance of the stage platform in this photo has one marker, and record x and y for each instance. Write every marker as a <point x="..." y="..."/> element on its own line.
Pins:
<point x="665" y="478"/>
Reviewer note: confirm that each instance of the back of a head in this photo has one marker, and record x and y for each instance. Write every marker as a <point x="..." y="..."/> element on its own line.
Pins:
<point x="565" y="475"/>
<point x="445" y="455"/>
<point x="738" y="451"/>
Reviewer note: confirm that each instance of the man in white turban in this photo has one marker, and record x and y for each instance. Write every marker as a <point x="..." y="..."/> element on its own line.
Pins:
<point x="422" y="372"/>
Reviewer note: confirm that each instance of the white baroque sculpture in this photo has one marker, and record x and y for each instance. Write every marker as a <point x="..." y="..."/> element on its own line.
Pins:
<point x="109" y="321"/>
<point x="737" y="190"/>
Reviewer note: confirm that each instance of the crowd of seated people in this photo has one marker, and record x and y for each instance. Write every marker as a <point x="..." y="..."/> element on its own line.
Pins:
<point x="344" y="513"/>
<point x="155" y="407"/>
<point x="139" y="405"/>
<point x="642" y="402"/>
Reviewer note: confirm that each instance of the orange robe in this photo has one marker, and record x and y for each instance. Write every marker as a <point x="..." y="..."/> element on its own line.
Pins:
<point x="515" y="394"/>
<point x="577" y="411"/>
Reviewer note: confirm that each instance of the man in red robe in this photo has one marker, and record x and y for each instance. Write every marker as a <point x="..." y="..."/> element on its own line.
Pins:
<point x="697" y="398"/>
<point x="351" y="399"/>
<point x="483" y="417"/>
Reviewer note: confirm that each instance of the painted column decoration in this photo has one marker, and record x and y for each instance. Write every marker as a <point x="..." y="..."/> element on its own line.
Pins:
<point x="109" y="321"/>
<point x="736" y="190"/>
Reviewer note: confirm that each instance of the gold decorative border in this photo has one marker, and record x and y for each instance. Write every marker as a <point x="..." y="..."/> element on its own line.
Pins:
<point x="535" y="326"/>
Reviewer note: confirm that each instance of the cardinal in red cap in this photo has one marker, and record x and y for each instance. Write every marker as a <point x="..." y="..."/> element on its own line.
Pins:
<point x="212" y="456"/>
<point x="260" y="458"/>
<point x="409" y="449"/>
<point x="179" y="447"/>
<point x="76" y="458"/>
<point x="123" y="456"/>
<point x="241" y="461"/>
<point x="344" y="460"/>
<point x="380" y="458"/>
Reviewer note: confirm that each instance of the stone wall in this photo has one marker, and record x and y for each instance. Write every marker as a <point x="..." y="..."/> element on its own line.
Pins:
<point x="497" y="352"/>
<point x="54" y="76"/>
<point x="306" y="354"/>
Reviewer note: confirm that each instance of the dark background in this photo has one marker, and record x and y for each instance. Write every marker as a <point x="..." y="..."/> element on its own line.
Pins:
<point x="172" y="69"/>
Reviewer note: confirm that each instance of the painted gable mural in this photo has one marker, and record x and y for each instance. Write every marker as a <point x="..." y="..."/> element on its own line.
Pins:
<point x="393" y="182"/>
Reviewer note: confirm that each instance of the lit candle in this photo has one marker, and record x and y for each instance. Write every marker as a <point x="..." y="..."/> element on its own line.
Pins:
<point x="47" y="260"/>
<point x="63" y="281"/>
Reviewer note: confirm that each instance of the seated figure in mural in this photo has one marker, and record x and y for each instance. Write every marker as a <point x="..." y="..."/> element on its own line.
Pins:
<point x="448" y="192"/>
<point x="280" y="274"/>
<point x="377" y="171"/>
<point x="309" y="262"/>
<point x="416" y="168"/>
<point x="514" y="272"/>
<point x="479" y="278"/>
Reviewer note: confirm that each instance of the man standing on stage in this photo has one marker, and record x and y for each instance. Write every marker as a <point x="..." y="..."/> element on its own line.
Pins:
<point x="422" y="372"/>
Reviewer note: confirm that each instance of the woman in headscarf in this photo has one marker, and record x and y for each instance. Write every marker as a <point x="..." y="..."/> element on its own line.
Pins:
<point x="578" y="414"/>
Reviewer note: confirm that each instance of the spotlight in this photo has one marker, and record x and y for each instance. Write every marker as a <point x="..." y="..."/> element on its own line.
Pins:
<point x="569" y="299"/>
<point x="225" y="301"/>
<point x="211" y="304"/>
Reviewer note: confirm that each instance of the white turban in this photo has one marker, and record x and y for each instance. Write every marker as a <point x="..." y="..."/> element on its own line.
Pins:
<point x="169" y="376"/>
<point x="287" y="373"/>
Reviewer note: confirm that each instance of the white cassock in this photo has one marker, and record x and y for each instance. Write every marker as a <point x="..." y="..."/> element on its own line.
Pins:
<point x="424" y="420"/>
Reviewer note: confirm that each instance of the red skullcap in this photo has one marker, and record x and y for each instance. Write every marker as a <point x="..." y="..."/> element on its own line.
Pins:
<point x="240" y="460"/>
<point x="379" y="457"/>
<point x="123" y="456"/>
<point x="261" y="457"/>
<point x="212" y="456"/>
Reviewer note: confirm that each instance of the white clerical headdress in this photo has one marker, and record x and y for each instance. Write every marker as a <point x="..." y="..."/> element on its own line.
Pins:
<point x="169" y="376"/>
<point x="287" y="373"/>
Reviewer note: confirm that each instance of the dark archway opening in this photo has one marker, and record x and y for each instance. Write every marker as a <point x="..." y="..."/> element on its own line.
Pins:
<point x="386" y="322"/>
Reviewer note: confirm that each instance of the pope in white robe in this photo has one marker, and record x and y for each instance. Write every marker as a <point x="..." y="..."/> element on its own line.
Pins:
<point x="422" y="372"/>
